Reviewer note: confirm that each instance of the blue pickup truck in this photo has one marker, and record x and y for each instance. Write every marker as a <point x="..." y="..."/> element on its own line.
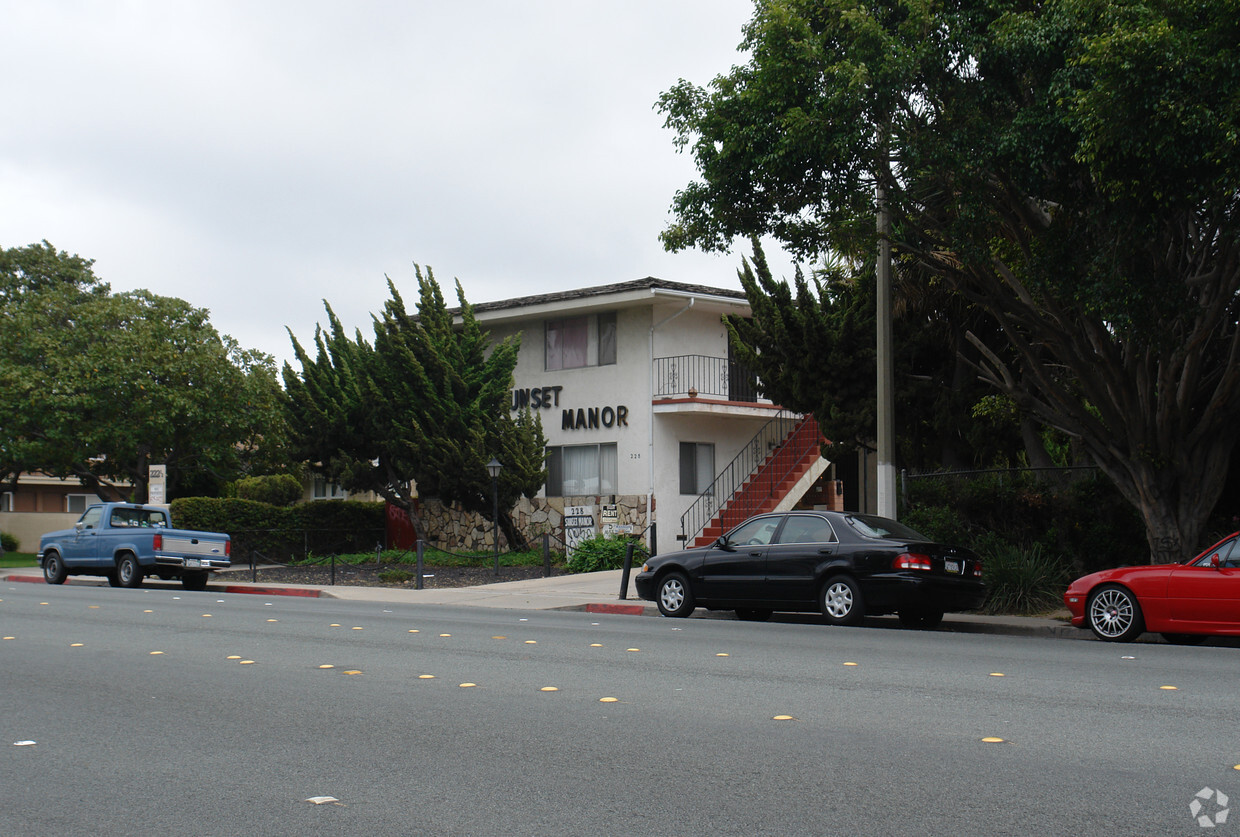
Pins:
<point x="125" y="542"/>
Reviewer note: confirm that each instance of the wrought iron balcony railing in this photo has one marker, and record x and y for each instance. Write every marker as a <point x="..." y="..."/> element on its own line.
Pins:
<point x="713" y="377"/>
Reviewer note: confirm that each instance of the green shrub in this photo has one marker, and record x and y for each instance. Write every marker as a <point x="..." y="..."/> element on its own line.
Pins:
<point x="1084" y="520"/>
<point x="1023" y="581"/>
<point x="8" y="542"/>
<point x="275" y="489"/>
<point x="599" y="553"/>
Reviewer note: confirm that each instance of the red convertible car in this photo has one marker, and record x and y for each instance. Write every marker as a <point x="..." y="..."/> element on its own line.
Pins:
<point x="1183" y="602"/>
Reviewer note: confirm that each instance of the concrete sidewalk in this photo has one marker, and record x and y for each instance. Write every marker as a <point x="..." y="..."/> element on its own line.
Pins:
<point x="592" y="592"/>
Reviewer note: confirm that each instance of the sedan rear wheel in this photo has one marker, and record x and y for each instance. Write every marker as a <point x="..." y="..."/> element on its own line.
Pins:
<point x="1114" y="614"/>
<point x="674" y="596"/>
<point x="841" y="601"/>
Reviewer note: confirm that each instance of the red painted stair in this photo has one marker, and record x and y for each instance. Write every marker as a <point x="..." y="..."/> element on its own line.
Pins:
<point x="770" y="483"/>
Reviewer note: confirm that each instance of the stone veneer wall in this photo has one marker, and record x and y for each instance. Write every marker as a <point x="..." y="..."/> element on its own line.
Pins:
<point x="452" y="528"/>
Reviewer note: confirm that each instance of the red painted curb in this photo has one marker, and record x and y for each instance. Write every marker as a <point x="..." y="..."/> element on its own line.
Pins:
<point x="275" y="591"/>
<point x="34" y="578"/>
<point x="626" y="609"/>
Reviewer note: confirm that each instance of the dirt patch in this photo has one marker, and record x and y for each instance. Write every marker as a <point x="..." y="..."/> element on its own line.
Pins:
<point x="367" y="575"/>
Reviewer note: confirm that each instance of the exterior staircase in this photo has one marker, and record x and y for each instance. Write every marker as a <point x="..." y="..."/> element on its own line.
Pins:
<point x="774" y="470"/>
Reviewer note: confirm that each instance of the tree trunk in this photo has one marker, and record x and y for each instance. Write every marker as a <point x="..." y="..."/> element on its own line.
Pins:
<point x="1175" y="500"/>
<point x="1032" y="439"/>
<point x="516" y="540"/>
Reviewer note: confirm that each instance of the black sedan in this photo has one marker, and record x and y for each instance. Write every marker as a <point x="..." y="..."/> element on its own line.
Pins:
<point x="845" y="565"/>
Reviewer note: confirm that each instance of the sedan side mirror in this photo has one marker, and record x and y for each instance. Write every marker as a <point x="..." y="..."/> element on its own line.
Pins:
<point x="1214" y="562"/>
<point x="721" y="542"/>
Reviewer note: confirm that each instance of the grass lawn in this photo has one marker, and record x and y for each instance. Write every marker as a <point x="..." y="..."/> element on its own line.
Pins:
<point x="18" y="559"/>
<point x="435" y="558"/>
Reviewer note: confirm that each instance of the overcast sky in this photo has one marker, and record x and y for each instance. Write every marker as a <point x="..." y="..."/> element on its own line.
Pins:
<point x="256" y="158"/>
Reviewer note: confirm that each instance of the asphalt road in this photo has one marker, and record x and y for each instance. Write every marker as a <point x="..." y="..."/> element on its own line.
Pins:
<point x="166" y="712"/>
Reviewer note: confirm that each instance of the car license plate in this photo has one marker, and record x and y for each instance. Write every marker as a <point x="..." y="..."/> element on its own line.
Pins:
<point x="951" y="566"/>
<point x="193" y="562"/>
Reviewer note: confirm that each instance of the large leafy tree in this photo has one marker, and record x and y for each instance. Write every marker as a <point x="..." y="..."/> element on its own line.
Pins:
<point x="422" y="408"/>
<point x="811" y="344"/>
<point x="1070" y="166"/>
<point x="98" y="386"/>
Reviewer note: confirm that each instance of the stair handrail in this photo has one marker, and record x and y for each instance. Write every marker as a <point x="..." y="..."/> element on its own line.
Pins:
<point x="772" y="438"/>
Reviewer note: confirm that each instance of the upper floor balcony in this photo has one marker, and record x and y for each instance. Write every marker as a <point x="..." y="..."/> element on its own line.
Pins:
<point x="698" y="383"/>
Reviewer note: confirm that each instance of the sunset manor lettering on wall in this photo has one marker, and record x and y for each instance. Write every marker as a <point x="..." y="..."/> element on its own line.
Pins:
<point x="583" y="418"/>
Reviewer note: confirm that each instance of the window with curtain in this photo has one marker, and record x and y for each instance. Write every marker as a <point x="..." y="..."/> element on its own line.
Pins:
<point x="574" y="470"/>
<point x="575" y="342"/>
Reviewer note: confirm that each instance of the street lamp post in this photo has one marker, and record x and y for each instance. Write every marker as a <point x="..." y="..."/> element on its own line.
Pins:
<point x="493" y="468"/>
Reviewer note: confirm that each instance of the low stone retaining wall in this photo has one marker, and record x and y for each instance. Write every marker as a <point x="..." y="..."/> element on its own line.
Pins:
<point x="453" y="528"/>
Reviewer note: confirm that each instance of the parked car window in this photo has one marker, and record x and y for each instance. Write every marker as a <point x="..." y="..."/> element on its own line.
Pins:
<point x="1230" y="554"/>
<point x="873" y="526"/>
<point x="758" y="531"/>
<point x="92" y="518"/>
<point x="806" y="528"/>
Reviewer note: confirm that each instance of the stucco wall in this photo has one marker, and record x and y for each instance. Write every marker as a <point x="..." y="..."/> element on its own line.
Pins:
<point x="28" y="527"/>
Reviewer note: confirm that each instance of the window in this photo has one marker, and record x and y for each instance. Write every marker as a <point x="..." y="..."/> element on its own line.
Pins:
<point x="575" y="342"/>
<point x="756" y="532"/>
<point x="324" y="490"/>
<point x="92" y="518"/>
<point x="697" y="467"/>
<point x="77" y="503"/>
<point x="6" y="501"/>
<point x="576" y="470"/>
<point x="138" y="518"/>
<point x="806" y="528"/>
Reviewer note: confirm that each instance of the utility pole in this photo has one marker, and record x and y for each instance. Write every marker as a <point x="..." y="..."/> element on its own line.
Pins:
<point x="886" y="482"/>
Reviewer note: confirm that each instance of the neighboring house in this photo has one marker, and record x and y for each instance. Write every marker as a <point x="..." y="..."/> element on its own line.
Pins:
<point x="41" y="504"/>
<point x="648" y="418"/>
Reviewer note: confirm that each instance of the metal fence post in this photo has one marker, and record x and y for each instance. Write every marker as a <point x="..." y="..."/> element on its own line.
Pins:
<point x="333" y="569"/>
<point x="417" y="585"/>
<point x="628" y="566"/>
<point x="546" y="539"/>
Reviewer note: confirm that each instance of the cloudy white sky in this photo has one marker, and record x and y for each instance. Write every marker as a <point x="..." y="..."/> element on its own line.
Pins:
<point x="256" y="158"/>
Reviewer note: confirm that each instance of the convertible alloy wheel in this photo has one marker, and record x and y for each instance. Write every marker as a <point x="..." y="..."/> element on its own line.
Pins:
<point x="841" y="601"/>
<point x="675" y="598"/>
<point x="1114" y="614"/>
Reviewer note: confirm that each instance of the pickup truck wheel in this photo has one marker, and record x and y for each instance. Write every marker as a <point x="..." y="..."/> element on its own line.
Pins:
<point x="194" y="581"/>
<point x="129" y="571"/>
<point x="54" y="571"/>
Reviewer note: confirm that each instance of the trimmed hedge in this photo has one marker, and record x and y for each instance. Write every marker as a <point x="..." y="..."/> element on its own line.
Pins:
<point x="276" y="489"/>
<point x="283" y="533"/>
